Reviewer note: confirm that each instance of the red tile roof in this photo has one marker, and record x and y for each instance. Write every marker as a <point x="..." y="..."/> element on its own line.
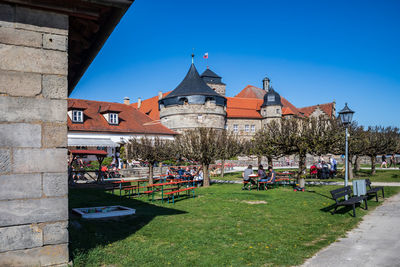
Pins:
<point x="254" y="92"/>
<point x="130" y="119"/>
<point x="237" y="107"/>
<point x="150" y="106"/>
<point x="328" y="109"/>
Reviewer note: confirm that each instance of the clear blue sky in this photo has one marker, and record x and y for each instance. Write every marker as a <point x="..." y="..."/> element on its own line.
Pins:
<point x="313" y="51"/>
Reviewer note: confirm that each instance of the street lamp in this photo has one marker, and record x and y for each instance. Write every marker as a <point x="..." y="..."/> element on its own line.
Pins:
<point x="345" y="116"/>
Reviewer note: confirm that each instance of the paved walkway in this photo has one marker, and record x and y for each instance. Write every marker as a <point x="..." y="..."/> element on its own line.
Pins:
<point x="376" y="242"/>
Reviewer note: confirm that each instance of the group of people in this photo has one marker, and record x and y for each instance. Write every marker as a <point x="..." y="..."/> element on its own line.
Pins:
<point x="324" y="170"/>
<point x="193" y="173"/>
<point x="262" y="175"/>
<point x="392" y="161"/>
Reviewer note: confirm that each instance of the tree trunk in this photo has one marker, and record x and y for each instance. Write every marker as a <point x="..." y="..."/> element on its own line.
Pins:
<point x="223" y="168"/>
<point x="150" y="173"/>
<point x="302" y="169"/>
<point x="357" y="166"/>
<point x="350" y="172"/>
<point x="373" y="162"/>
<point x="269" y="161"/>
<point x="259" y="158"/>
<point x="206" y="177"/>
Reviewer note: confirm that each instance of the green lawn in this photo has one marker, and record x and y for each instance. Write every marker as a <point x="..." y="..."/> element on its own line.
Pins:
<point x="380" y="176"/>
<point x="222" y="226"/>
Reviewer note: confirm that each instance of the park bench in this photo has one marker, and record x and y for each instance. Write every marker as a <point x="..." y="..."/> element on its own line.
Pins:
<point x="172" y="193"/>
<point x="340" y="193"/>
<point x="264" y="185"/>
<point x="374" y="190"/>
<point x="247" y="185"/>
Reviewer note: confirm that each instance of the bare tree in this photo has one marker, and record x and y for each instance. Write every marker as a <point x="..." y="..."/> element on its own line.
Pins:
<point x="266" y="142"/>
<point x="380" y="140"/>
<point x="230" y="146"/>
<point x="205" y="145"/>
<point x="149" y="150"/>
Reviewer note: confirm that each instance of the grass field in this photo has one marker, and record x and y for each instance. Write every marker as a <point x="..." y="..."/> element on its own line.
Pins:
<point x="222" y="226"/>
<point x="380" y="176"/>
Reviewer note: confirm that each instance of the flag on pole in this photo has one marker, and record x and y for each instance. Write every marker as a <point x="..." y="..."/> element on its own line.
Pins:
<point x="205" y="55"/>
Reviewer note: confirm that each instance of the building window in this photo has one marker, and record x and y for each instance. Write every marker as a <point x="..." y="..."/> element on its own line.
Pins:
<point x="113" y="118"/>
<point x="247" y="128"/>
<point x="226" y="127"/>
<point x="253" y="128"/>
<point x="200" y="117"/>
<point x="277" y="111"/>
<point x="77" y="116"/>
<point x="235" y="128"/>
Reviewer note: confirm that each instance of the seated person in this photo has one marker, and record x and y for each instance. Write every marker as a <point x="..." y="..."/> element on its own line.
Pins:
<point x="198" y="177"/>
<point x="262" y="175"/>
<point x="246" y="174"/>
<point x="271" y="175"/>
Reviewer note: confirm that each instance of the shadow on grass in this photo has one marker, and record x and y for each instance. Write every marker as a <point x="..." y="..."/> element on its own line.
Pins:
<point x="88" y="234"/>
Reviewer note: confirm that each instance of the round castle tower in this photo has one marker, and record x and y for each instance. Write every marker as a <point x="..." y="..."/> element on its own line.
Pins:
<point x="192" y="104"/>
<point x="271" y="109"/>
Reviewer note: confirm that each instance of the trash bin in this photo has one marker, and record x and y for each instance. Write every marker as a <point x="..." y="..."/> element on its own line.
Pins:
<point x="359" y="187"/>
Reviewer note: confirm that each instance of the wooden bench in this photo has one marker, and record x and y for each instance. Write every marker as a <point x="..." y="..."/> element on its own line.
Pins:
<point x="247" y="184"/>
<point x="264" y="185"/>
<point x="172" y="193"/>
<point x="340" y="193"/>
<point x="374" y="190"/>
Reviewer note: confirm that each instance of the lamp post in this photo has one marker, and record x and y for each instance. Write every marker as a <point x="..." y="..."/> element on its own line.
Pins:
<point x="345" y="116"/>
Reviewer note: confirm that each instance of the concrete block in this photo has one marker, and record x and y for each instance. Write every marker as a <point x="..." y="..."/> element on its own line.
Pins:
<point x="20" y="83"/>
<point x="55" y="184"/>
<point x="20" y="135"/>
<point x="55" y="135"/>
<point x="55" y="42"/>
<point x="26" y="160"/>
<point x="27" y="59"/>
<point x="16" y="212"/>
<point x="55" y="86"/>
<point x="55" y="233"/>
<point x="17" y="186"/>
<point x="41" y="21"/>
<point x="20" y="37"/>
<point x="7" y="15"/>
<point x="20" y="237"/>
<point x="5" y="161"/>
<point x="20" y="109"/>
<point x="41" y="256"/>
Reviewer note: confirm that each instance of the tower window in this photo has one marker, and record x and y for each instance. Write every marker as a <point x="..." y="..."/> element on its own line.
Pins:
<point x="77" y="116"/>
<point x="247" y="128"/>
<point x="200" y="117"/>
<point x="271" y="98"/>
<point x="235" y="128"/>
<point x="278" y="111"/>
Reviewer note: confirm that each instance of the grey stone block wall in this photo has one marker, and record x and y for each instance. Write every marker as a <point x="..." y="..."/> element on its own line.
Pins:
<point x="33" y="137"/>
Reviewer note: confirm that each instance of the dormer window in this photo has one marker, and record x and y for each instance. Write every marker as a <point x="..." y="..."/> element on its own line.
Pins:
<point x="113" y="118"/>
<point x="77" y="116"/>
<point x="271" y="98"/>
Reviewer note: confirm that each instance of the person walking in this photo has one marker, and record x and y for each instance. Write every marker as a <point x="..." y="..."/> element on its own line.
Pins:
<point x="384" y="161"/>
<point x="392" y="161"/>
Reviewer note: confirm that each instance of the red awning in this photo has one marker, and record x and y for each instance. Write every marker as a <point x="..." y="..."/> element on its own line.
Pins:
<point x="88" y="152"/>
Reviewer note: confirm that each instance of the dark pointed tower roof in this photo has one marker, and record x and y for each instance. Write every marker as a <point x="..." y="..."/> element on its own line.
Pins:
<point x="192" y="84"/>
<point x="211" y="77"/>
<point x="272" y="98"/>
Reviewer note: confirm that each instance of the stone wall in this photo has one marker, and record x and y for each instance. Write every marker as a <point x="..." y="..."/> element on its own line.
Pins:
<point x="33" y="137"/>
<point x="189" y="116"/>
<point x="241" y="126"/>
<point x="219" y="88"/>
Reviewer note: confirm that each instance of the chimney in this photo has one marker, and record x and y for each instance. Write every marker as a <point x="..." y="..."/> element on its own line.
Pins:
<point x="266" y="81"/>
<point x="139" y="102"/>
<point x="159" y="95"/>
<point x="126" y="100"/>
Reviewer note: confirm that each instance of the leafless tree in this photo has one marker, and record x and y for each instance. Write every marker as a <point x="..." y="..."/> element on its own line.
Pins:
<point x="149" y="150"/>
<point x="230" y="146"/>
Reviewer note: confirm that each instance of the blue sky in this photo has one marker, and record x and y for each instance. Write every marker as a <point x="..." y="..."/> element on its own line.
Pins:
<point x="313" y="52"/>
